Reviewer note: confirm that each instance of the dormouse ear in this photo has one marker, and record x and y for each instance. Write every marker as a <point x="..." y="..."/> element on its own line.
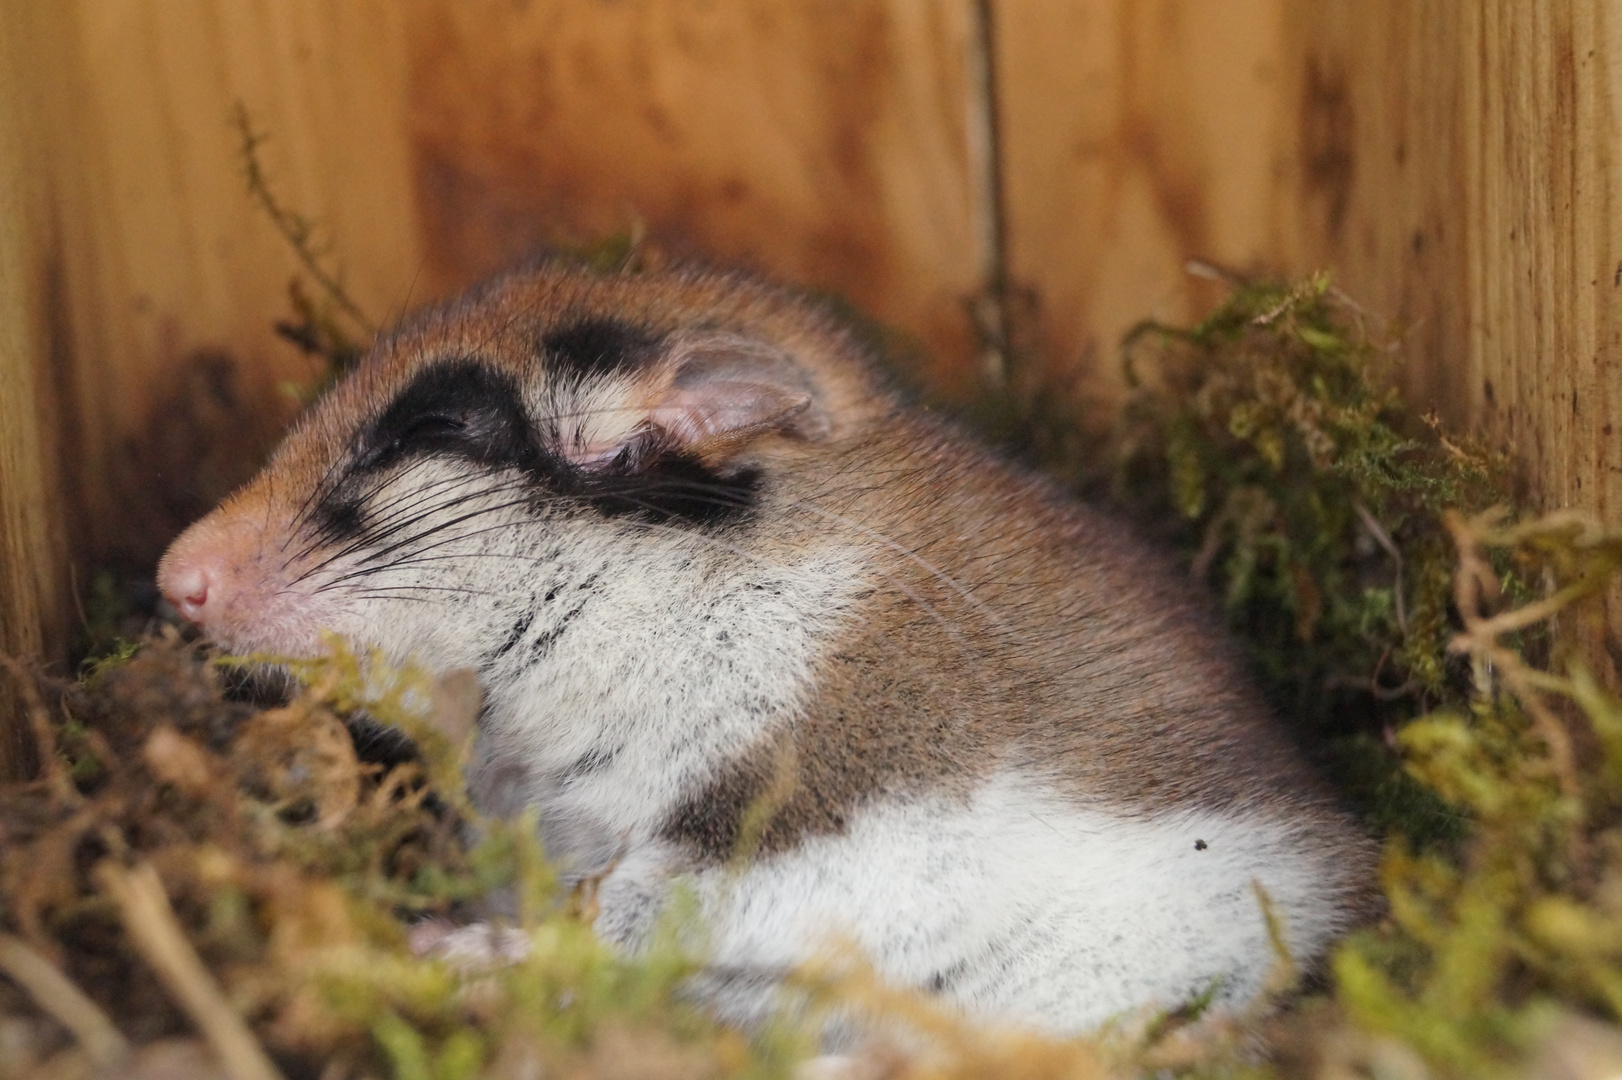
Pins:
<point x="727" y="389"/>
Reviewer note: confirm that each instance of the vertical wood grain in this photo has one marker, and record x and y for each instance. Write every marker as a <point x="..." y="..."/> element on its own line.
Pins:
<point x="32" y="567"/>
<point x="171" y="276"/>
<point x="1471" y="197"/>
<point x="435" y="142"/>
<point x="1454" y="163"/>
<point x="1137" y="134"/>
<point x="822" y="142"/>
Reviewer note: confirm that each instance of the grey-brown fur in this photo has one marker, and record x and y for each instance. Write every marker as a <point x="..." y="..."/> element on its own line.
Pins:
<point x="984" y="654"/>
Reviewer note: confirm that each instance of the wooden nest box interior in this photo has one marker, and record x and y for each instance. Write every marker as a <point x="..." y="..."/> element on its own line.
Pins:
<point x="1008" y="185"/>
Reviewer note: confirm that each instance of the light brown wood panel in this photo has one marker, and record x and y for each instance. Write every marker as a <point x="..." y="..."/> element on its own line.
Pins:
<point x="171" y="277"/>
<point x="32" y="570"/>
<point x="1458" y="165"/>
<point x="435" y="141"/>
<point x="1136" y="135"/>
<point x="830" y="143"/>
<point x="1455" y="164"/>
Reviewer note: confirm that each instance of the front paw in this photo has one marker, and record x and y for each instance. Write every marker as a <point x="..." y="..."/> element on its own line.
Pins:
<point x="472" y="947"/>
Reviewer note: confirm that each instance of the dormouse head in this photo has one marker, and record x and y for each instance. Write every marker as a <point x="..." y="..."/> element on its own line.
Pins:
<point x="550" y="426"/>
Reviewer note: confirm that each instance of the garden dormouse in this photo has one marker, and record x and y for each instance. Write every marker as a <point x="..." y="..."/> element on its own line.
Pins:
<point x="705" y="563"/>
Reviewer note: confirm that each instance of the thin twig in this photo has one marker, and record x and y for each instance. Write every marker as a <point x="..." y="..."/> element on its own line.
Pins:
<point x="61" y="999"/>
<point x="1285" y="974"/>
<point x="1210" y="271"/>
<point x="1480" y="638"/>
<point x="51" y="766"/>
<point x="298" y="230"/>
<point x="1383" y="538"/>
<point x="1530" y="615"/>
<point x="757" y="817"/>
<point x="158" y="936"/>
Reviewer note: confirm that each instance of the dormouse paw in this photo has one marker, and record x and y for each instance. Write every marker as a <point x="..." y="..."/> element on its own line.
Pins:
<point x="470" y="947"/>
<point x="842" y="1067"/>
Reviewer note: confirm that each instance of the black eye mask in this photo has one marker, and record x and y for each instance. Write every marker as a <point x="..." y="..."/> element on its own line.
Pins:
<point x="464" y="409"/>
<point x="456" y="408"/>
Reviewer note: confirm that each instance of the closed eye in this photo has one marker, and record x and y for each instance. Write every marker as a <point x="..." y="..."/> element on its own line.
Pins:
<point x="428" y="431"/>
<point x="459" y="407"/>
<point x="417" y="435"/>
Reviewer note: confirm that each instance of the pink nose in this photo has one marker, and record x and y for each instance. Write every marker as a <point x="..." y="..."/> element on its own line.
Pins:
<point x="200" y="572"/>
<point x="188" y="589"/>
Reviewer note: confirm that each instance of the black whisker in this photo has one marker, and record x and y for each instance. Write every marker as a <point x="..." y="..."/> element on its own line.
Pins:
<point x="316" y="492"/>
<point x="442" y="526"/>
<point x="424" y="588"/>
<point x="411" y="556"/>
<point x="327" y="532"/>
<point x="370" y="538"/>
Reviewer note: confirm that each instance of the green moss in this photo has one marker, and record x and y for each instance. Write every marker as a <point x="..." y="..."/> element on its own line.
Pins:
<point x="295" y="870"/>
<point x="1415" y="640"/>
<point x="1421" y="642"/>
<point x="1524" y="921"/>
<point x="1269" y="442"/>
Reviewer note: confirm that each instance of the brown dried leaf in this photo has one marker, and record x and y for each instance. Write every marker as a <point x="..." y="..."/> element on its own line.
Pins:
<point x="175" y="759"/>
<point x="620" y="1052"/>
<point x="299" y="752"/>
<point x="307" y="914"/>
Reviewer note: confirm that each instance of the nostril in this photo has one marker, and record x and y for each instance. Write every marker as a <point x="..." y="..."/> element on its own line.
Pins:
<point x="187" y="589"/>
<point x="201" y="574"/>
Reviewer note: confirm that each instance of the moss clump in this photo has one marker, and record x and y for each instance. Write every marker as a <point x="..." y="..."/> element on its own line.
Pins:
<point x="1487" y="948"/>
<point x="1414" y="638"/>
<point x="1418" y="635"/>
<point x="1269" y="442"/>
<point x="172" y="819"/>
<point x="177" y="818"/>
<point x="294" y="869"/>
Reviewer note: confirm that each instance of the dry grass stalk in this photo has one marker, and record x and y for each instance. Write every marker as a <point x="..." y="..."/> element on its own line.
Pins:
<point x="59" y="997"/>
<point x="1476" y="589"/>
<point x="157" y="934"/>
<point x="52" y="769"/>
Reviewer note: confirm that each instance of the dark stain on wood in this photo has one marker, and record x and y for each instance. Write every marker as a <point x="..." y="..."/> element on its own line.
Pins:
<point x="204" y="436"/>
<point x="1328" y="137"/>
<point x="532" y="130"/>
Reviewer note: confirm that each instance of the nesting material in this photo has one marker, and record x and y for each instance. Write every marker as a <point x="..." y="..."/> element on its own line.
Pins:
<point x="208" y="880"/>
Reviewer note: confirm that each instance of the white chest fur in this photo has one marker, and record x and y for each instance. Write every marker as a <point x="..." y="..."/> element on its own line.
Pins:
<point x="1014" y="905"/>
<point x="1016" y="902"/>
<point x="650" y="687"/>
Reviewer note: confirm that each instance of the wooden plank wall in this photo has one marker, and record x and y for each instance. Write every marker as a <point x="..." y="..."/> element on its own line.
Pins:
<point x="1478" y="207"/>
<point x="171" y="275"/>
<point x="828" y="142"/>
<point x="436" y="141"/>
<point x="1454" y="162"/>
<point x="1457" y="165"/>
<point x="1136" y="135"/>
<point x="32" y="513"/>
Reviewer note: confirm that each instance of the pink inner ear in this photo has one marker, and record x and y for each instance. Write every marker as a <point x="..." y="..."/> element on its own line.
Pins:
<point x="594" y="457"/>
<point x="724" y="389"/>
<point x="706" y="417"/>
<point x="725" y="410"/>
